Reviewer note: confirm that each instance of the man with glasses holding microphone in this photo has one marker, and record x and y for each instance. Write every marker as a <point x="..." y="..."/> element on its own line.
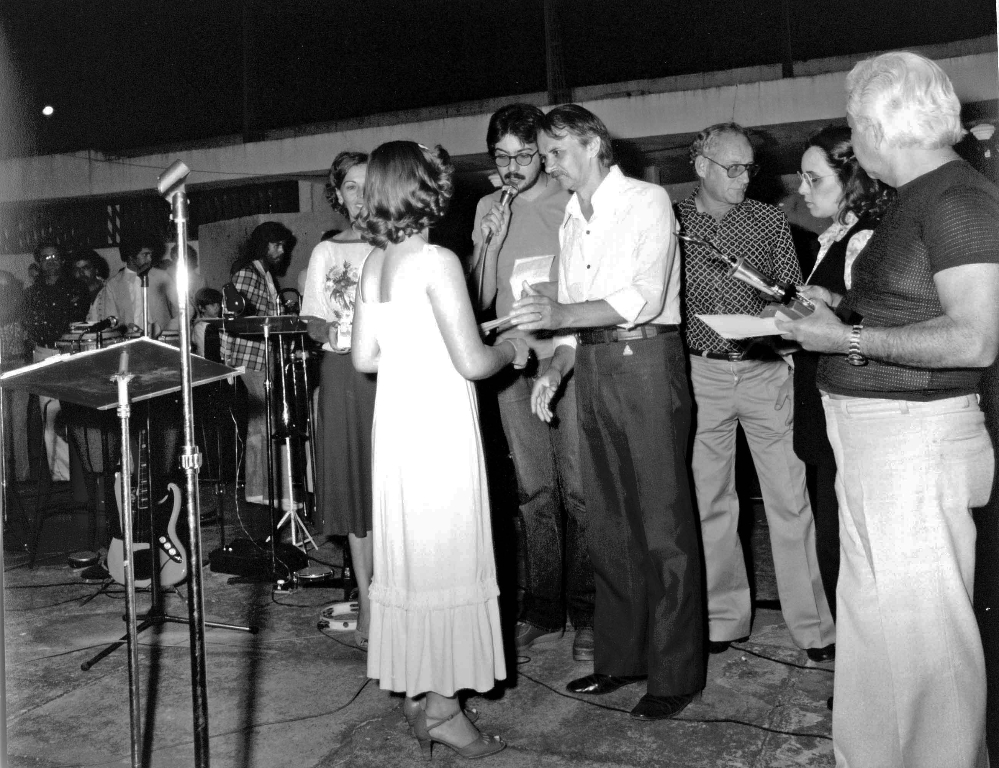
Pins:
<point x="516" y="241"/>
<point x="739" y="382"/>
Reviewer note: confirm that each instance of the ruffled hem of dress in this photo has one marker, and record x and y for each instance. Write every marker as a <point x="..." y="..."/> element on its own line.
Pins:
<point x="439" y="650"/>
<point x="452" y="597"/>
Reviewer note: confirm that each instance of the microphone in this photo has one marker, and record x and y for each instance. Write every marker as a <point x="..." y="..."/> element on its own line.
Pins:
<point x="103" y="325"/>
<point x="172" y="178"/>
<point x="506" y="197"/>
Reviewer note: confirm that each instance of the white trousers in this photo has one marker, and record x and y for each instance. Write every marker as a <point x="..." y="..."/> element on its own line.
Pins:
<point x="910" y="675"/>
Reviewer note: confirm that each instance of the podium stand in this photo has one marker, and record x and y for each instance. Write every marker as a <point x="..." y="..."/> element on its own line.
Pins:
<point x="118" y="375"/>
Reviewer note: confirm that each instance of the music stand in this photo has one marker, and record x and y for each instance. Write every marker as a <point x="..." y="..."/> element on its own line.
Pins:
<point x="118" y="375"/>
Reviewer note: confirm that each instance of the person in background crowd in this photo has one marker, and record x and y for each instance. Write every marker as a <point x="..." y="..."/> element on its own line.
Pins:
<point x="435" y="625"/>
<point x="12" y="343"/>
<point x="54" y="300"/>
<point x="51" y="304"/>
<point x="559" y="577"/>
<point x="834" y="186"/>
<point x="913" y="456"/>
<point x="619" y="292"/>
<point x="90" y="268"/>
<point x="346" y="395"/>
<point x="121" y="296"/>
<point x="737" y="382"/>
<point x="205" y="338"/>
<point x="254" y="274"/>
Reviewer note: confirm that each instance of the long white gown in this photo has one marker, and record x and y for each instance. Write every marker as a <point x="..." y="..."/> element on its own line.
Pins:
<point x="434" y="614"/>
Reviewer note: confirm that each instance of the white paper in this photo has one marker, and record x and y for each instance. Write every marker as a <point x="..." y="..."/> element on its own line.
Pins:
<point x="742" y="326"/>
<point x="535" y="269"/>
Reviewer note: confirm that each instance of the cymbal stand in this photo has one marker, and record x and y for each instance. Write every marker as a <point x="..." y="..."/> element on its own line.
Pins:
<point x="289" y="434"/>
<point x="302" y="358"/>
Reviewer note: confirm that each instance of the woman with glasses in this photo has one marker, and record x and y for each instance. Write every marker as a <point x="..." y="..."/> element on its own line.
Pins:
<point x="346" y="397"/>
<point x="835" y="187"/>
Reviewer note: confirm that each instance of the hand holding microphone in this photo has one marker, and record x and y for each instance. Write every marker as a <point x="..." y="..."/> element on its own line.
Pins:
<point x="497" y="220"/>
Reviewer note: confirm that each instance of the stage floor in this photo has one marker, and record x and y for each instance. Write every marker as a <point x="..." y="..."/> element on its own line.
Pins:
<point x="295" y="696"/>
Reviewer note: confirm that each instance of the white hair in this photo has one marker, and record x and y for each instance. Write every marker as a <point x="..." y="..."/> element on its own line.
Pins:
<point x="906" y="100"/>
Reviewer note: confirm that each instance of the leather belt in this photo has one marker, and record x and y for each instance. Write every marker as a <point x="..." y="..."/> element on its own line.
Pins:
<point x="611" y="335"/>
<point x="733" y="357"/>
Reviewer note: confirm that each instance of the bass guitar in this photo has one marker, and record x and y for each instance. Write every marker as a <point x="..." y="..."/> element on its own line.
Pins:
<point x="146" y="540"/>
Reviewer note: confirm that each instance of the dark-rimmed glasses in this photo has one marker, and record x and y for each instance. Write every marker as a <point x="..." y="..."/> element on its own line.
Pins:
<point x="522" y="158"/>
<point x="736" y="169"/>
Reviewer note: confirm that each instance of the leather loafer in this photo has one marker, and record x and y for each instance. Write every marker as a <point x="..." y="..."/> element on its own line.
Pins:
<point x="597" y="684"/>
<point x="651" y="707"/>
<point x="583" y="645"/>
<point x="826" y="653"/>
<point x="720" y="646"/>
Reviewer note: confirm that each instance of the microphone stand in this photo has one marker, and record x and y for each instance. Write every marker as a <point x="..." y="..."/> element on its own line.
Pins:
<point x="171" y="185"/>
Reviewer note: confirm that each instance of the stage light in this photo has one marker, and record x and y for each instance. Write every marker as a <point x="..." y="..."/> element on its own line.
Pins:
<point x="48" y="110"/>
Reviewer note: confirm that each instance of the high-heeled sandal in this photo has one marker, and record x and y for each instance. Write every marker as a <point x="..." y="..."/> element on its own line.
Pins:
<point x="483" y="746"/>
<point x="411" y="711"/>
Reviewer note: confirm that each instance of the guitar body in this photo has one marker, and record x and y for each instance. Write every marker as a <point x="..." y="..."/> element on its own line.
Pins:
<point x="164" y="548"/>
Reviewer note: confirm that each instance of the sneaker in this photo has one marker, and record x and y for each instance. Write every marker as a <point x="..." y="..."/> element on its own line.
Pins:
<point x="582" y="645"/>
<point x="525" y="635"/>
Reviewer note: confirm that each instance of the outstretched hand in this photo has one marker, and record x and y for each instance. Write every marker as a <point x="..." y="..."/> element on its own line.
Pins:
<point x="545" y="388"/>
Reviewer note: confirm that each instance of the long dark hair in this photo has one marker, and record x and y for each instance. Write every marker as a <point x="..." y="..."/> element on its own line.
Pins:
<point x="407" y="189"/>
<point x="265" y="234"/>
<point x="862" y="195"/>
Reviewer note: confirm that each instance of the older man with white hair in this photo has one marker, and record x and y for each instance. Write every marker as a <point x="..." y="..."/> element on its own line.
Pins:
<point x="912" y="453"/>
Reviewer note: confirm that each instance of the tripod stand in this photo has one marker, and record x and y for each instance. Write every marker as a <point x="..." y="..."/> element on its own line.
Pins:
<point x="164" y="553"/>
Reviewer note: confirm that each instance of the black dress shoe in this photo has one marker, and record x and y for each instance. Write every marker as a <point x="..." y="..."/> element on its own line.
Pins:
<point x="826" y="653"/>
<point x="651" y="707"/>
<point x="597" y="684"/>
<point x="720" y="646"/>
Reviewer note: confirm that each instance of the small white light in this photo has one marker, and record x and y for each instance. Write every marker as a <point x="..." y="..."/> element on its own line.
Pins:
<point x="48" y="111"/>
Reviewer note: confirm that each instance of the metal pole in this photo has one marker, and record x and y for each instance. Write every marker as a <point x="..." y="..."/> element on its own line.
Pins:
<point x="134" y="709"/>
<point x="171" y="185"/>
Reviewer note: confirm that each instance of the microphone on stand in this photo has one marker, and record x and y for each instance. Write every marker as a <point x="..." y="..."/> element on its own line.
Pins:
<point x="506" y="197"/>
<point x="103" y="325"/>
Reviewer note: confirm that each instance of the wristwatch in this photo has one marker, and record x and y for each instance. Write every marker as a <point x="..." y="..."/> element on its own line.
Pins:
<point x="854" y="355"/>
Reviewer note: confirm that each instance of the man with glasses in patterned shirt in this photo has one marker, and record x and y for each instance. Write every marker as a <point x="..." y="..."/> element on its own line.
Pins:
<point x="739" y="382"/>
<point x="559" y="577"/>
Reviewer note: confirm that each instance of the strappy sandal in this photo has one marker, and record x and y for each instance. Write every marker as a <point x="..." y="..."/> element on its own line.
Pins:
<point x="412" y="711"/>
<point x="483" y="746"/>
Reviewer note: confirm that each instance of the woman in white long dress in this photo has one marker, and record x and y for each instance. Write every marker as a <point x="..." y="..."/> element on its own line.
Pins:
<point x="435" y="626"/>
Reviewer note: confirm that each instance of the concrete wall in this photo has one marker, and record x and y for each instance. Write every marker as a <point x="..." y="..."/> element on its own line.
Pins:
<point x="754" y="97"/>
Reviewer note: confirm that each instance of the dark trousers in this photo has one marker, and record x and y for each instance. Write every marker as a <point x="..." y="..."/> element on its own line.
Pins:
<point x="825" y="510"/>
<point x="634" y="418"/>
<point x="559" y="577"/>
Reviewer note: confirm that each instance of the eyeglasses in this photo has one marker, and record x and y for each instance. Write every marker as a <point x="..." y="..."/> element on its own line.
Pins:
<point x="809" y="179"/>
<point x="736" y="169"/>
<point x="522" y="158"/>
<point x="51" y="256"/>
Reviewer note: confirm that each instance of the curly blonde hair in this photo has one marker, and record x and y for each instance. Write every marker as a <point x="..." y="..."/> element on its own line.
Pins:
<point x="407" y="189"/>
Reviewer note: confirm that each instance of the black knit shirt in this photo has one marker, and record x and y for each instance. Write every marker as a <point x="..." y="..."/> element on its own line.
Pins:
<point x="946" y="218"/>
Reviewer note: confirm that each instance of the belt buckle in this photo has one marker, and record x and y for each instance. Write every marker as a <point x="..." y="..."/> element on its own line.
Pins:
<point x="735" y="357"/>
